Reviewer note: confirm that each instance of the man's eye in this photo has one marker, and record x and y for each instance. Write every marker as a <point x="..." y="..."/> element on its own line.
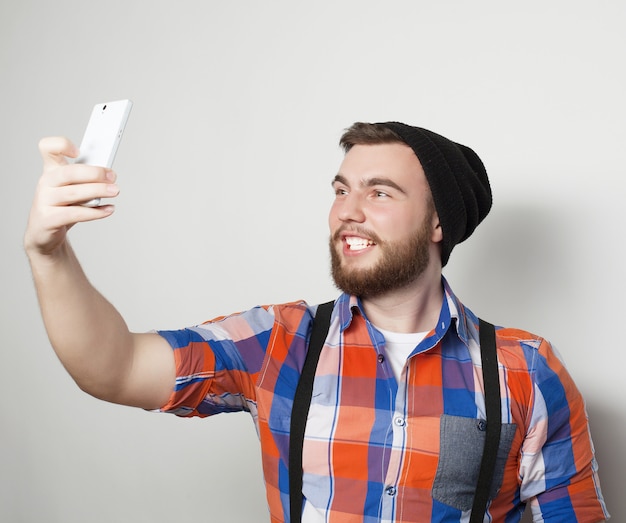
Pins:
<point x="339" y="191"/>
<point x="381" y="194"/>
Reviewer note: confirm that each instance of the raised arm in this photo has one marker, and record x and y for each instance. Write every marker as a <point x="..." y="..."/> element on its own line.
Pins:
<point x="87" y="333"/>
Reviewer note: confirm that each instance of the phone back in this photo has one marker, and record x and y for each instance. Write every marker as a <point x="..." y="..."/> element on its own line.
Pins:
<point x="104" y="132"/>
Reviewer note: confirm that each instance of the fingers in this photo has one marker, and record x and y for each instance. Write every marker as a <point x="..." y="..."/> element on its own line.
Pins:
<point x="78" y="173"/>
<point x="76" y="183"/>
<point x="55" y="149"/>
<point x="58" y="172"/>
<point x="77" y="193"/>
<point x="64" y="183"/>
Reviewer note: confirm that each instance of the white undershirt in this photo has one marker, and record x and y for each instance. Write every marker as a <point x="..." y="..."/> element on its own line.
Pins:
<point x="398" y="346"/>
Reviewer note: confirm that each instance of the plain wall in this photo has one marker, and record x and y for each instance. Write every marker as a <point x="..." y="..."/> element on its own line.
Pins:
<point x="225" y="172"/>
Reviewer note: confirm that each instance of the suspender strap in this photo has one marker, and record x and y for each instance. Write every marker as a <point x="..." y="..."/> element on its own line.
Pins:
<point x="300" y="408"/>
<point x="493" y="410"/>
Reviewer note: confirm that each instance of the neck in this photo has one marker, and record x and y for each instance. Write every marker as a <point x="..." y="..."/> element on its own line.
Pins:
<point x="414" y="308"/>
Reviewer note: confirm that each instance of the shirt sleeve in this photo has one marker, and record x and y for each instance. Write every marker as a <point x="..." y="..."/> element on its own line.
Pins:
<point x="217" y="363"/>
<point x="558" y="468"/>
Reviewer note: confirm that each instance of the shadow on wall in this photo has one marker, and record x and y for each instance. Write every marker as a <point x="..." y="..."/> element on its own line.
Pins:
<point x="607" y="430"/>
<point x="515" y="266"/>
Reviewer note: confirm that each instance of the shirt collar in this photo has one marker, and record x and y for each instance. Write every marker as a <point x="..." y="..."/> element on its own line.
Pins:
<point x="452" y="313"/>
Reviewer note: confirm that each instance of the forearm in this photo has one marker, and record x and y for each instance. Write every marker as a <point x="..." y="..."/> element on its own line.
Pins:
<point x="87" y="333"/>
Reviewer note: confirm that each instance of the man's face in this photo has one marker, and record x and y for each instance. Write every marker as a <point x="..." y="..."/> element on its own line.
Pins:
<point x="383" y="228"/>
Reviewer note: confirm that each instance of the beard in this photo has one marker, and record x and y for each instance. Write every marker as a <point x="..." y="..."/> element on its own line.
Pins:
<point x="402" y="263"/>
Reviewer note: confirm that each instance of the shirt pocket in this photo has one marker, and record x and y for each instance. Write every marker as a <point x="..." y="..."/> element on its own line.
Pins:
<point x="461" y="449"/>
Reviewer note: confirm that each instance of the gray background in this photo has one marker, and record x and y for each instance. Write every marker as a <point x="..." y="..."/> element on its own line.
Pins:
<point x="225" y="172"/>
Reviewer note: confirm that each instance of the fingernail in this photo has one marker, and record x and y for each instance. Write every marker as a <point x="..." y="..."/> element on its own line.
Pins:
<point x="110" y="176"/>
<point x="112" y="189"/>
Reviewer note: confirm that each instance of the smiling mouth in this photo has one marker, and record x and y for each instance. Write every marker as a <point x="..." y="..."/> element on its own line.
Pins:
<point x="355" y="243"/>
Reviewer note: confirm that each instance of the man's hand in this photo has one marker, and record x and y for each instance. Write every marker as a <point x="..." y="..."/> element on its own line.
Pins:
<point x="61" y="188"/>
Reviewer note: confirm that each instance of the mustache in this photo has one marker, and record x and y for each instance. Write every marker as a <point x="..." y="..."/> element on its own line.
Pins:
<point x="357" y="231"/>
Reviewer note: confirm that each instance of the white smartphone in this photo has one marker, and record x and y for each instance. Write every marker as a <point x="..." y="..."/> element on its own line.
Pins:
<point x="103" y="135"/>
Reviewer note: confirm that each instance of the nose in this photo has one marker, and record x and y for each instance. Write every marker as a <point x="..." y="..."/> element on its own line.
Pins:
<point x="350" y="209"/>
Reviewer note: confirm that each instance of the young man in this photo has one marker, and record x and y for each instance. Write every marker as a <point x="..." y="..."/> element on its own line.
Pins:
<point x="395" y="430"/>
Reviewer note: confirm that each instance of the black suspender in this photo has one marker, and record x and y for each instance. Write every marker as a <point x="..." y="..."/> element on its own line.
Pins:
<point x="493" y="410"/>
<point x="300" y="408"/>
<point x="302" y="402"/>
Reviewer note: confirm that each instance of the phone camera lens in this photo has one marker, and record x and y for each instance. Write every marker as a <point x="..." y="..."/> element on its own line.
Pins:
<point x="104" y="108"/>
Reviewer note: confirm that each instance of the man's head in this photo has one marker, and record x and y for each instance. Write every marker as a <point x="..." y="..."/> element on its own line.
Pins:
<point x="456" y="176"/>
<point x="444" y="182"/>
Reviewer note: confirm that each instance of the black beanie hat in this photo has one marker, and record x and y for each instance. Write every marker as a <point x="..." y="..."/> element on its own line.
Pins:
<point x="457" y="179"/>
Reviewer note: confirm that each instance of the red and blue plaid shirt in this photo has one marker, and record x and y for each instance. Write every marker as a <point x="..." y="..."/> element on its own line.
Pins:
<point x="381" y="450"/>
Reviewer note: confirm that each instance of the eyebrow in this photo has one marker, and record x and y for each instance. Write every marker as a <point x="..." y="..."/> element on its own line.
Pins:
<point x="370" y="182"/>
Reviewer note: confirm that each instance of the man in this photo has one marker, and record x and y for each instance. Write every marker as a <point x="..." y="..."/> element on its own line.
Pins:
<point x="394" y="427"/>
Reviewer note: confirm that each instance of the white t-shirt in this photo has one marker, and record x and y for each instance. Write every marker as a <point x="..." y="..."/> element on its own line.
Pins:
<point x="398" y="346"/>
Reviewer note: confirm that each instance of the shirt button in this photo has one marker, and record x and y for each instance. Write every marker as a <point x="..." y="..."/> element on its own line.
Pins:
<point x="381" y="358"/>
<point x="482" y="425"/>
<point x="401" y="422"/>
<point x="390" y="491"/>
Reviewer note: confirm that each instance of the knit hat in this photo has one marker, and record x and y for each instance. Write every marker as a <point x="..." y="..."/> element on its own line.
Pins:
<point x="457" y="179"/>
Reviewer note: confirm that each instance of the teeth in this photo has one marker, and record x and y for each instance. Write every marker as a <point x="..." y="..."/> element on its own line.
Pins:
<point x="356" y="244"/>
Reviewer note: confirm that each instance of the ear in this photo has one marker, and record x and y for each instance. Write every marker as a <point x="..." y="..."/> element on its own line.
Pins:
<point x="437" y="235"/>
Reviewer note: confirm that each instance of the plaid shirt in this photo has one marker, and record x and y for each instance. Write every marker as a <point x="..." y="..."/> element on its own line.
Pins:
<point x="379" y="450"/>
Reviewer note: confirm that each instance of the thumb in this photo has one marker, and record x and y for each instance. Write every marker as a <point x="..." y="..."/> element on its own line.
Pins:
<point x="55" y="149"/>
